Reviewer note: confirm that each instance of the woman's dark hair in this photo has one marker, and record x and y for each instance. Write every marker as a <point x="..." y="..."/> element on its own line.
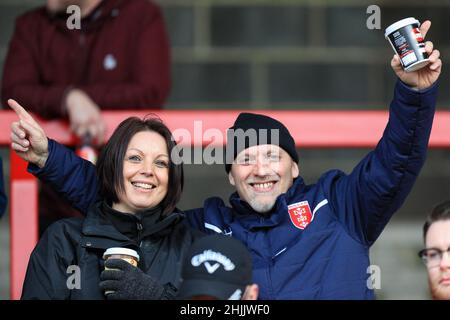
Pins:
<point x="440" y="212"/>
<point x="111" y="158"/>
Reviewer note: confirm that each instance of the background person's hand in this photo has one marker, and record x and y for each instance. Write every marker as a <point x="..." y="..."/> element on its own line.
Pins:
<point x="84" y="116"/>
<point x="426" y="76"/>
<point x="28" y="139"/>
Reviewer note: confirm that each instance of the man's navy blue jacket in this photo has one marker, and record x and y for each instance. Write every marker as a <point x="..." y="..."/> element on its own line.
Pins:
<point x="316" y="243"/>
<point x="3" y="200"/>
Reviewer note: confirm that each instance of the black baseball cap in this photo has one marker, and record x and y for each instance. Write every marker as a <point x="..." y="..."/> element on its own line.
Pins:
<point x="217" y="266"/>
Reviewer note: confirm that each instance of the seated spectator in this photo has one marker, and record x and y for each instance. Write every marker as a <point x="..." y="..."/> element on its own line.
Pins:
<point x="218" y="267"/>
<point x="3" y="200"/>
<point x="119" y="59"/>
<point x="436" y="255"/>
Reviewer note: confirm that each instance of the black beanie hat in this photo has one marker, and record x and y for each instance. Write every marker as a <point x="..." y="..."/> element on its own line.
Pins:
<point x="246" y="121"/>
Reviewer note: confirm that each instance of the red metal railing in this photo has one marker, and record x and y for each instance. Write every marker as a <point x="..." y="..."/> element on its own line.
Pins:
<point x="315" y="129"/>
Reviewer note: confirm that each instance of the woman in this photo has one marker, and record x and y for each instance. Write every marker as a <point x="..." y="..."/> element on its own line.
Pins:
<point x="139" y="189"/>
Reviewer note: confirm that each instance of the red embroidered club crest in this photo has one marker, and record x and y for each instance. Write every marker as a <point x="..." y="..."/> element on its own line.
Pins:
<point x="300" y="214"/>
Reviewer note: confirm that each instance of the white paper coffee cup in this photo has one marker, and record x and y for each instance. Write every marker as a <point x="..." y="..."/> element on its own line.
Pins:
<point x="408" y="43"/>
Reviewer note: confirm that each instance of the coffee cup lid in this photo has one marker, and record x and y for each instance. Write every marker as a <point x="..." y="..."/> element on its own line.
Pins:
<point x="124" y="251"/>
<point x="400" y="24"/>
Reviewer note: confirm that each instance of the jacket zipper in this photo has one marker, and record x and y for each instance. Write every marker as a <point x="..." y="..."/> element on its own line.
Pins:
<point x="139" y="229"/>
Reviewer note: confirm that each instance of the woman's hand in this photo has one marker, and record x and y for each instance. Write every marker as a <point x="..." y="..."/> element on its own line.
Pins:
<point x="28" y="139"/>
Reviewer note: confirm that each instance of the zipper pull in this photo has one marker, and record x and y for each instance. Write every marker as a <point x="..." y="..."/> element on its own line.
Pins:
<point x="139" y="229"/>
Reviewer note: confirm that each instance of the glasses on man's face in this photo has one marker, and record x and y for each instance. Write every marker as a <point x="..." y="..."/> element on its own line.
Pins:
<point x="432" y="257"/>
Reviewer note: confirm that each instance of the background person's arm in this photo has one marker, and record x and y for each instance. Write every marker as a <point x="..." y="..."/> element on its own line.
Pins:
<point x="149" y="78"/>
<point x="21" y="76"/>
<point x="146" y="85"/>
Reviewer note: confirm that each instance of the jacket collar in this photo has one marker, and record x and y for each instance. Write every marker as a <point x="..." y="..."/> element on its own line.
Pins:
<point x="251" y="219"/>
<point x="133" y="225"/>
<point x="103" y="225"/>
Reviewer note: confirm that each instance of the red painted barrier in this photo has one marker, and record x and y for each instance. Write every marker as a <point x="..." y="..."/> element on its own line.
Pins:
<point x="23" y="221"/>
<point x="313" y="129"/>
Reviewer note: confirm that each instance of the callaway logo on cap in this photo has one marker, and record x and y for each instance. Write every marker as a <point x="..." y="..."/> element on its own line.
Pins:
<point x="209" y="255"/>
<point x="216" y="266"/>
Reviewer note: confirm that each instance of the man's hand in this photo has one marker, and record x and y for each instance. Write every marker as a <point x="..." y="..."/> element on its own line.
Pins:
<point x="425" y="77"/>
<point x="28" y="139"/>
<point x="128" y="282"/>
<point x="84" y="116"/>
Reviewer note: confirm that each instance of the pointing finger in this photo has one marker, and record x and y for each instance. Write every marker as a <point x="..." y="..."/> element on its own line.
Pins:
<point x="21" y="112"/>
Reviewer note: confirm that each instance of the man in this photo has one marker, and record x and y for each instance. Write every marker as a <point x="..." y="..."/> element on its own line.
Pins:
<point x="217" y="267"/>
<point x="306" y="241"/>
<point x="436" y="255"/>
<point x="3" y="200"/>
<point x="119" y="59"/>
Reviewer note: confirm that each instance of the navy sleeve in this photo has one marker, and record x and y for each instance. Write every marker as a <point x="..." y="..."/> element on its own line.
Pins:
<point x="72" y="177"/>
<point x="195" y="219"/>
<point x="3" y="199"/>
<point x="366" y="199"/>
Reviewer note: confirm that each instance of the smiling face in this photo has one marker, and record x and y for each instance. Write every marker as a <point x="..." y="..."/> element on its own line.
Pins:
<point x="261" y="173"/>
<point x="145" y="173"/>
<point x="438" y="236"/>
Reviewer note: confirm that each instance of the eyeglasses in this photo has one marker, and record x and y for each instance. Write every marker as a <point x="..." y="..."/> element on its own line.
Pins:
<point x="432" y="257"/>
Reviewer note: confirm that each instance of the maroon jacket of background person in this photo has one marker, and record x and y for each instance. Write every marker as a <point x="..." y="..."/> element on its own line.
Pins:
<point x="120" y="58"/>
